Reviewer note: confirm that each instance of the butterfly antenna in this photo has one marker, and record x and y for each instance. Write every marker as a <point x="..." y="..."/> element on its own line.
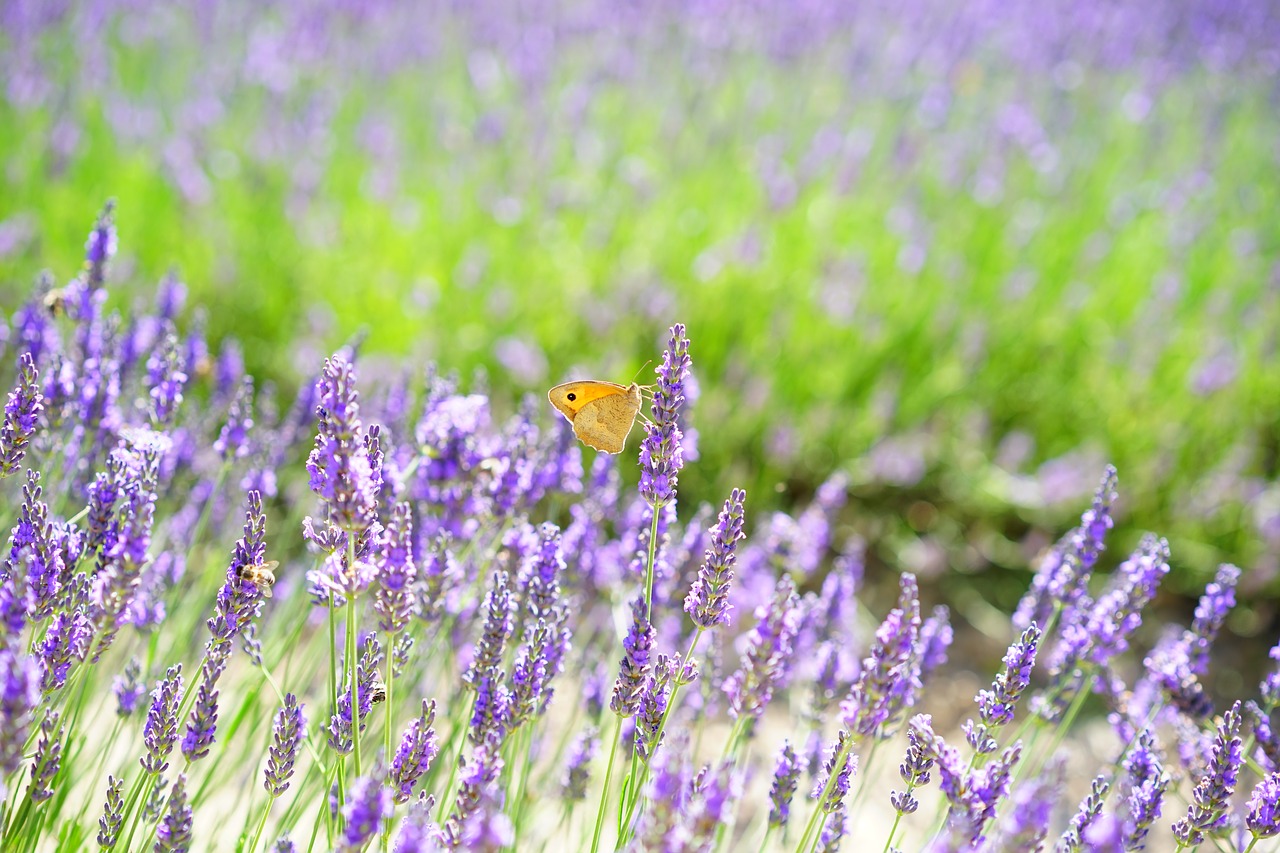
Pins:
<point x="638" y="372"/>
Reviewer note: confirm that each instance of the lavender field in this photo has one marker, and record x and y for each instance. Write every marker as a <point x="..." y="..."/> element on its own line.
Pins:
<point x="941" y="309"/>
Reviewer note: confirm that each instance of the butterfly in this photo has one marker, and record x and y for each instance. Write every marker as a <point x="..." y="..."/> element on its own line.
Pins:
<point x="602" y="413"/>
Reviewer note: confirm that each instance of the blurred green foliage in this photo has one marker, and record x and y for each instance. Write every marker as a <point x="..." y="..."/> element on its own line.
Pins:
<point x="929" y="291"/>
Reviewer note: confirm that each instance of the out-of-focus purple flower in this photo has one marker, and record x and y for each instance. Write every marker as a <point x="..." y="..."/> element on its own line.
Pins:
<point x="418" y="749"/>
<point x="1090" y="808"/>
<point x="577" y="767"/>
<point x="173" y="835"/>
<point x="936" y="636"/>
<point x="767" y="660"/>
<point x="1264" y="808"/>
<point x="48" y="758"/>
<point x="1211" y="798"/>
<point x="418" y="834"/>
<point x="713" y="795"/>
<point x="129" y="688"/>
<point x="284" y="844"/>
<point x="1147" y="782"/>
<point x="171" y="297"/>
<point x="786" y="779"/>
<point x="633" y="669"/>
<point x="161" y="729"/>
<point x="228" y="369"/>
<point x="21" y="415"/>
<point x="996" y="706"/>
<point x="233" y="440"/>
<point x="112" y="814"/>
<point x="497" y="628"/>
<point x="478" y="793"/>
<point x="668" y="795"/>
<point x="287" y="734"/>
<point x="1064" y="573"/>
<point x="890" y="673"/>
<point x="166" y="379"/>
<point x="369" y="804"/>
<point x="341" y="474"/>
<point x="1268" y="752"/>
<point x="1211" y="612"/>
<point x="661" y="456"/>
<point x="708" y="600"/>
<point x="19" y="693"/>
<point x="1027" y="822"/>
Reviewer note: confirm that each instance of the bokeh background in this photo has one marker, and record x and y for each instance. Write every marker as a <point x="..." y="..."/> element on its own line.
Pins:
<point x="964" y="253"/>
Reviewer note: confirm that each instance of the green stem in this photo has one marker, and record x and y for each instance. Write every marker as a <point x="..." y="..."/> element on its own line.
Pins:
<point x="814" y="826"/>
<point x="649" y="563"/>
<point x="604" y="787"/>
<point x="262" y="824"/>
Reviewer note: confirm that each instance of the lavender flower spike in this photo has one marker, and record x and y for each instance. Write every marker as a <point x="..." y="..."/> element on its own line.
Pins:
<point x="577" y="768"/>
<point x="287" y="735"/>
<point x="21" y="414"/>
<point x="418" y="749"/>
<point x="161" y="729"/>
<point x="369" y="804"/>
<point x="1212" y="797"/>
<point x="890" y="673"/>
<point x="1147" y="783"/>
<point x="661" y="456"/>
<point x="767" y="660"/>
<point x="48" y="759"/>
<point x="633" y="669"/>
<point x="174" y="833"/>
<point x="112" y="814"/>
<point x="1264" y="808"/>
<point x="708" y="600"/>
<point x="997" y="704"/>
<point x="341" y="473"/>
<point x="786" y="778"/>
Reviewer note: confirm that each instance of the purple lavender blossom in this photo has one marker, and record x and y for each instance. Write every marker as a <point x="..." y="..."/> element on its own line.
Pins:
<point x="914" y="768"/>
<point x="112" y="814"/>
<point x="498" y="604"/>
<point x="19" y="693"/>
<point x="1264" y="808"/>
<point x="654" y="700"/>
<point x="417" y="832"/>
<point x="668" y="793"/>
<point x="418" y="749"/>
<point x="66" y="639"/>
<point x="786" y="778"/>
<point x="1026" y="824"/>
<point x="1212" y="796"/>
<point x="48" y="758"/>
<point x="286" y="737"/>
<point x="661" y="456"/>
<point x="936" y="636"/>
<point x="849" y="765"/>
<point x="491" y="715"/>
<point x="369" y="805"/>
<point x="478" y="794"/>
<point x="129" y="688"/>
<point x="708" y="600"/>
<point x="577" y="767"/>
<point x="714" y="793"/>
<point x="233" y="440"/>
<point x="33" y="553"/>
<point x="996" y="706"/>
<point x="1147" y="782"/>
<point x="1211" y="612"/>
<point x="767" y="660"/>
<point x="166" y="379"/>
<point x="396" y="572"/>
<point x="174" y="833"/>
<point x="341" y="473"/>
<point x="890" y="673"/>
<point x="203" y="722"/>
<point x="21" y="415"/>
<point x="340" y="733"/>
<point x="284" y="844"/>
<point x="633" y="669"/>
<point x="161" y="729"/>
<point x="1086" y="815"/>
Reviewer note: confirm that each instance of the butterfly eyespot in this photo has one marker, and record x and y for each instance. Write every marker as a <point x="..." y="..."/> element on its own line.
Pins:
<point x="571" y="397"/>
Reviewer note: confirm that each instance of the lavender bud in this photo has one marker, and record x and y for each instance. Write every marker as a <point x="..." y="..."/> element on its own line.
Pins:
<point x="661" y="455"/>
<point x="708" y="600"/>
<point x="112" y="814"/>
<point x="369" y="804"/>
<point x="1084" y="818"/>
<point x="21" y="416"/>
<point x="174" y="833"/>
<point x="786" y="778"/>
<point x="418" y="749"/>
<point x="161" y="729"/>
<point x="286" y="736"/>
<point x="996" y="706"/>
<point x="1264" y="808"/>
<point x="1212" y="796"/>
<point x="129" y="688"/>
<point x="48" y="758"/>
<point x="633" y="669"/>
<point x="767" y="660"/>
<point x="577" y="769"/>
